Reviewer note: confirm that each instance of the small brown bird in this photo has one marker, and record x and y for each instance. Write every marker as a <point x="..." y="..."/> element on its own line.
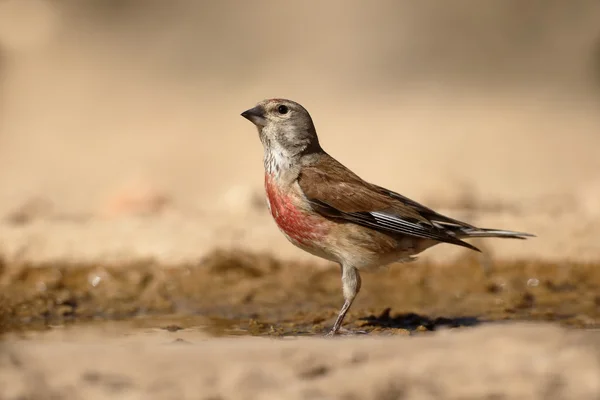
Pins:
<point x="327" y="210"/>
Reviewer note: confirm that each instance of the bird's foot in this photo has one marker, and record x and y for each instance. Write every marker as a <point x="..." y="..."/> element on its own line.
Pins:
<point x="344" y="332"/>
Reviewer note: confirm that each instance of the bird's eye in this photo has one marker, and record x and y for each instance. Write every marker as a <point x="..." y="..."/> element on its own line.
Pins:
<point x="282" y="109"/>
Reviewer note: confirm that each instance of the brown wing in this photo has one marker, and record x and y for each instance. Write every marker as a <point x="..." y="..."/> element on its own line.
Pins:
<point x="336" y="192"/>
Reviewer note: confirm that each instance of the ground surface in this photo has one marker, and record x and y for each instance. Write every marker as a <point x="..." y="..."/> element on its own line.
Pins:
<point x="257" y="295"/>
<point x="433" y="331"/>
<point x="505" y="361"/>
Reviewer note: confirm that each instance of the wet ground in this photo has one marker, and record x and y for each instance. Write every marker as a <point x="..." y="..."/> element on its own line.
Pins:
<point x="249" y="294"/>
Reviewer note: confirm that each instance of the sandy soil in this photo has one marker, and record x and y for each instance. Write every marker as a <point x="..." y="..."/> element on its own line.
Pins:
<point x="508" y="362"/>
<point x="431" y="331"/>
<point x="130" y="190"/>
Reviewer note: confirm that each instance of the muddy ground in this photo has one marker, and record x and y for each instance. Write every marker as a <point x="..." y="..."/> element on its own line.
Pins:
<point x="248" y="326"/>
<point x="249" y="294"/>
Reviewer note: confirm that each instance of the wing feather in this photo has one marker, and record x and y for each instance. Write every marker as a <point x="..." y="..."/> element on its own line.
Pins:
<point x="336" y="192"/>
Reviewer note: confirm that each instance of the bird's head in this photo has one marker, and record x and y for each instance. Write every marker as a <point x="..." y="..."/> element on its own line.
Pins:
<point x="284" y="126"/>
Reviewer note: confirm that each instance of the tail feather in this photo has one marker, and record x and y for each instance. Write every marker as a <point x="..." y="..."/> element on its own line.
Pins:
<point x="468" y="232"/>
<point x="489" y="233"/>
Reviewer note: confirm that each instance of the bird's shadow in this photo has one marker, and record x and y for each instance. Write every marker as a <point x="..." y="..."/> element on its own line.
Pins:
<point x="412" y="321"/>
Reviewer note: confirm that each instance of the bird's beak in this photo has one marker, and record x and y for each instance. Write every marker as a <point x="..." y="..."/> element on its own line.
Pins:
<point x="255" y="115"/>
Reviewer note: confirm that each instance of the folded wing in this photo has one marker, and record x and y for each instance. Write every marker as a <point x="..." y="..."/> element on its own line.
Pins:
<point x="336" y="192"/>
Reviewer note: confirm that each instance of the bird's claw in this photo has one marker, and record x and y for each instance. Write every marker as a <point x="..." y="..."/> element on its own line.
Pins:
<point x="344" y="332"/>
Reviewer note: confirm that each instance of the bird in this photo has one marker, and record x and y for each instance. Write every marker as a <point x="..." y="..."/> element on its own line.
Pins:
<point x="325" y="209"/>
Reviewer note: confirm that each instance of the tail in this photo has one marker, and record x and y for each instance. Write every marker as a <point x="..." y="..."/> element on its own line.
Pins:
<point x="466" y="233"/>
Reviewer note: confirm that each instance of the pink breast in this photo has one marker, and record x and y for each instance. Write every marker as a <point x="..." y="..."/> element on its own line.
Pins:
<point x="296" y="223"/>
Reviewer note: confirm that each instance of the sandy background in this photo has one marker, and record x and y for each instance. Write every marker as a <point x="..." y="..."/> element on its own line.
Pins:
<point x="111" y="109"/>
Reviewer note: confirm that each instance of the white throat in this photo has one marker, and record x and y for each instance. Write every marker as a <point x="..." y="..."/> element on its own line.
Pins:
<point x="276" y="160"/>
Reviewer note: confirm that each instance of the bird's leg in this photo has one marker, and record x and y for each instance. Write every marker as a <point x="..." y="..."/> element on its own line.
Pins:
<point x="350" y="286"/>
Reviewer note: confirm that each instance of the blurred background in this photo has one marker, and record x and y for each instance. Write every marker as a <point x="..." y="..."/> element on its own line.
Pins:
<point x="112" y="109"/>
